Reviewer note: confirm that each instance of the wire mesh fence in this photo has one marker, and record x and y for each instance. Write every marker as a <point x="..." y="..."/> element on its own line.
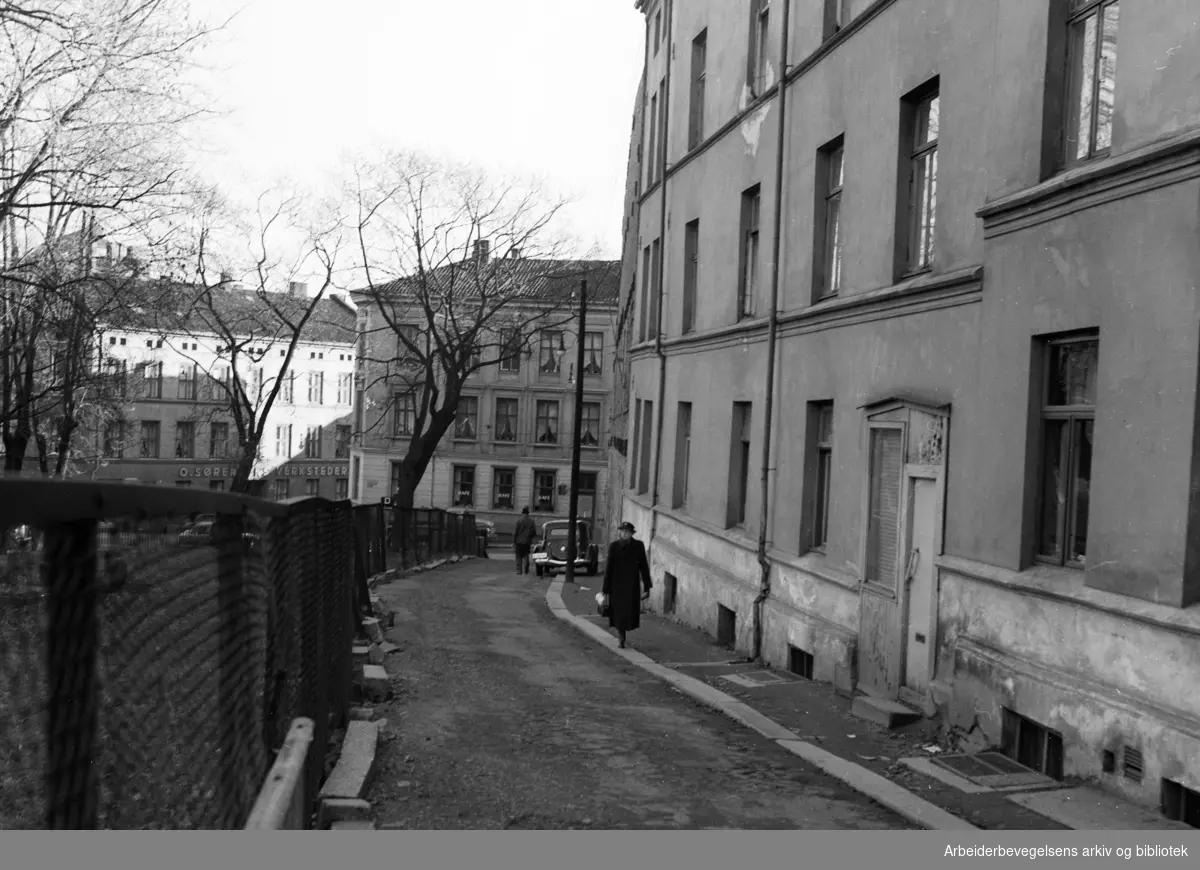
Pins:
<point x="155" y="647"/>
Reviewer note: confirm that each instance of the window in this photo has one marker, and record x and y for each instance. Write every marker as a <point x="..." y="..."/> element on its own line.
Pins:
<point x="836" y="16"/>
<point x="748" y="271"/>
<point x="647" y="428"/>
<point x="288" y="391"/>
<point x="820" y="460"/>
<point x="464" y="486"/>
<point x="117" y="372"/>
<point x="282" y="490"/>
<point x="652" y="147"/>
<point x="407" y="350"/>
<point x="550" y="354"/>
<point x="153" y="374"/>
<point x="828" y="225"/>
<point x="283" y="441"/>
<point x="397" y="476"/>
<point x="655" y="303"/>
<point x="466" y="421"/>
<point x="634" y="461"/>
<point x="150" y="439"/>
<point x="216" y="485"/>
<point x="544" y="483"/>
<point x="883" y="506"/>
<point x="921" y="151"/>
<point x="404" y="413"/>
<point x="589" y="426"/>
<point x="644" y="321"/>
<point x="587" y="483"/>
<point x="510" y="351"/>
<point x="183" y="484"/>
<point x="1068" y="414"/>
<point x="506" y="420"/>
<point x="1092" y="67"/>
<point x="739" y="465"/>
<point x="502" y="488"/>
<point x="218" y="440"/>
<point x="593" y="353"/>
<point x="256" y="380"/>
<point x="316" y="387"/>
<point x="185" y="440"/>
<point x="699" y="64"/>
<point x="114" y="440"/>
<point x="312" y="485"/>
<point x="341" y="488"/>
<point x="345" y="388"/>
<point x="341" y="442"/>
<point x="683" y="453"/>
<point x="760" y="28"/>
<point x="547" y="422"/>
<point x="187" y="382"/>
<point x="657" y="31"/>
<point x="312" y="442"/>
<point x="691" y="273"/>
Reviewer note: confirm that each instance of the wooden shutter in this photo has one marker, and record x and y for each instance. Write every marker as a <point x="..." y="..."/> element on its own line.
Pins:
<point x="884" y="506"/>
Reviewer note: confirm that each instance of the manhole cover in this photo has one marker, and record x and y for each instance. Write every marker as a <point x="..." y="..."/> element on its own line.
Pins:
<point x="754" y="679"/>
<point x="993" y="770"/>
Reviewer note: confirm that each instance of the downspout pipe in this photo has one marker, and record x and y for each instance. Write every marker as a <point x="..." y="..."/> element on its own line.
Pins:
<point x="764" y="589"/>
<point x="662" y="266"/>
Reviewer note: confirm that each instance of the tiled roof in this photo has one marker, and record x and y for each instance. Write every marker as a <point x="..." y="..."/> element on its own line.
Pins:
<point x="531" y="279"/>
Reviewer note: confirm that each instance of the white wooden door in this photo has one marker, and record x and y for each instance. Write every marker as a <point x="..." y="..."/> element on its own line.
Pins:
<point x="923" y="516"/>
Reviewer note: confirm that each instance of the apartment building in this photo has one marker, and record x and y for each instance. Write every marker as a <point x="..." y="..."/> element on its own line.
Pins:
<point x="927" y="271"/>
<point x="510" y="445"/>
<point x="174" y="427"/>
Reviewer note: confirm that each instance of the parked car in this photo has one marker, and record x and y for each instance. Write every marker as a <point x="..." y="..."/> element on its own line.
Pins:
<point x="550" y="554"/>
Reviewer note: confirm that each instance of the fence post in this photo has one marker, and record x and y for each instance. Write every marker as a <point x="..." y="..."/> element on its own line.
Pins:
<point x="73" y="699"/>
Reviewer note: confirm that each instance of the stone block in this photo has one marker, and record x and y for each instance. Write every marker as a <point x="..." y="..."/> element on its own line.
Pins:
<point x="362" y="714"/>
<point x="375" y="654"/>
<point x="360" y="653"/>
<point x="373" y="629"/>
<point x="889" y="714"/>
<point x="355" y="768"/>
<point x="341" y="810"/>
<point x="375" y="683"/>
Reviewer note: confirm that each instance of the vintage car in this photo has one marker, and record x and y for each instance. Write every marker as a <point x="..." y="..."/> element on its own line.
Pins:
<point x="550" y="555"/>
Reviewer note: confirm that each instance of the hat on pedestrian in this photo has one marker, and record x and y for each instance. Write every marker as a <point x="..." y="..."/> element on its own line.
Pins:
<point x="524" y="510"/>
<point x="627" y="527"/>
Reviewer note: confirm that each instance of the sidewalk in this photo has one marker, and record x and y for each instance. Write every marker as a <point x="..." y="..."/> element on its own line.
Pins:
<point x="867" y="756"/>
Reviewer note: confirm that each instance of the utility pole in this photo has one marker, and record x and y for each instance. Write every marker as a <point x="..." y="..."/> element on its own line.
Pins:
<point x="573" y="513"/>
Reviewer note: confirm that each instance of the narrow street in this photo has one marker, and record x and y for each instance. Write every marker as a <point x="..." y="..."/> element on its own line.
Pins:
<point x="504" y="717"/>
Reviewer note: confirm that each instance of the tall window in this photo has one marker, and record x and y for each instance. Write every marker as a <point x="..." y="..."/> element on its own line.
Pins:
<point x="683" y="453"/>
<point x="829" y="220"/>
<point x="283" y="441"/>
<point x="652" y="146"/>
<point x="634" y="460"/>
<point x="316" y="388"/>
<point x="287" y="391"/>
<point x="646" y="431"/>
<point x="312" y="442"/>
<point x="341" y="488"/>
<point x="341" y="442"/>
<point x="644" y="320"/>
<point x="739" y="465"/>
<point x="187" y="382"/>
<point x="544" y="484"/>
<point x="547" y="422"/>
<point x="282" y="488"/>
<point x="699" y="65"/>
<point x="1092" y="64"/>
<point x="312" y="486"/>
<point x="466" y="419"/>
<point x="655" y="304"/>
<point x="589" y="427"/>
<point x="883" y="505"/>
<point x="593" y="353"/>
<point x="153" y="375"/>
<point x="691" y="273"/>
<point x="658" y="22"/>
<point x="185" y="440"/>
<point x="506" y="420"/>
<point x="150" y="439"/>
<point x="464" y="486"/>
<point x="397" y="476"/>
<point x="820" y="452"/>
<point x="345" y="388"/>
<point x="510" y="351"/>
<point x="114" y="440"/>
<point x="550" y="352"/>
<point x="1068" y="414"/>
<point x="256" y="383"/>
<point x="760" y="29"/>
<point x="836" y="16"/>
<point x="404" y="413"/>
<point x="407" y="349"/>
<point x="503" y="486"/>
<point x="922" y="150"/>
<point x="748" y="273"/>
<point x="116" y="371"/>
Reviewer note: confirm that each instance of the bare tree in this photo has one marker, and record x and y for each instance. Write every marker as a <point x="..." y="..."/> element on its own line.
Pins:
<point x="460" y="272"/>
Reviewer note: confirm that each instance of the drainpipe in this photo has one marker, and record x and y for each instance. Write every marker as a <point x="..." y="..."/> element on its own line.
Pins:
<point x="764" y="589"/>
<point x="662" y="266"/>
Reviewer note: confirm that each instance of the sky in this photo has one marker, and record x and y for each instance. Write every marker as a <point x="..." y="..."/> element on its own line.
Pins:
<point x="532" y="87"/>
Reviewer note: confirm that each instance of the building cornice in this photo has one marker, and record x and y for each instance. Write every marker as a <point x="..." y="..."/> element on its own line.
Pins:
<point x="1157" y="164"/>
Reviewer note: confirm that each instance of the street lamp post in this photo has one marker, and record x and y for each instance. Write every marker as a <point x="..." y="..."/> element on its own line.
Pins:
<point x="573" y="513"/>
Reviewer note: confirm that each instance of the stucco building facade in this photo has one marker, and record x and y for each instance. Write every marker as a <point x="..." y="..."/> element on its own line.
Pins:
<point x="928" y="273"/>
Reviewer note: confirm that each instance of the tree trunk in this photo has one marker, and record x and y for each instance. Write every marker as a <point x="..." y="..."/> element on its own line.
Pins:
<point x="14" y="451"/>
<point x="406" y="492"/>
<point x="245" y="466"/>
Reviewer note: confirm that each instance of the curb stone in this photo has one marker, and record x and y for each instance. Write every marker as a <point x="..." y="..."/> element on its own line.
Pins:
<point x="880" y="789"/>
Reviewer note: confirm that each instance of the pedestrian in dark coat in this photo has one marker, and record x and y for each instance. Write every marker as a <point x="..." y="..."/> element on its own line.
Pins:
<point x="625" y="570"/>
<point x="523" y="537"/>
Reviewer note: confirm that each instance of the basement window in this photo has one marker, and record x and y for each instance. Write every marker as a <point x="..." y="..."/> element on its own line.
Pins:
<point x="1180" y="803"/>
<point x="800" y="662"/>
<point x="670" y="588"/>
<point x="726" y="627"/>
<point x="1033" y="745"/>
<point x="1132" y="764"/>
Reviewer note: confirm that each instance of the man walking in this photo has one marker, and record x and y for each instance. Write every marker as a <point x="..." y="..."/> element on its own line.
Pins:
<point x="523" y="537"/>
<point x="626" y="569"/>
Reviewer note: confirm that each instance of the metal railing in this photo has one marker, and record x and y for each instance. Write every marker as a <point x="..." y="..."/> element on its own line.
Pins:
<point x="151" y="671"/>
<point x="420" y="535"/>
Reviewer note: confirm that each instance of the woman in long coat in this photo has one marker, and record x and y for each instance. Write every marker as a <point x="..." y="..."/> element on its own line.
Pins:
<point x="625" y="570"/>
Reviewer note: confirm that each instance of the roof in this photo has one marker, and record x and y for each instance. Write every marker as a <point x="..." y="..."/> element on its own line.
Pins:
<point x="529" y="278"/>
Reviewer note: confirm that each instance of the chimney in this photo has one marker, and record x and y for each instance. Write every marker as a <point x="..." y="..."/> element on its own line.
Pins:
<point x="515" y="253"/>
<point x="298" y="289"/>
<point x="483" y="250"/>
<point x="226" y="278"/>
